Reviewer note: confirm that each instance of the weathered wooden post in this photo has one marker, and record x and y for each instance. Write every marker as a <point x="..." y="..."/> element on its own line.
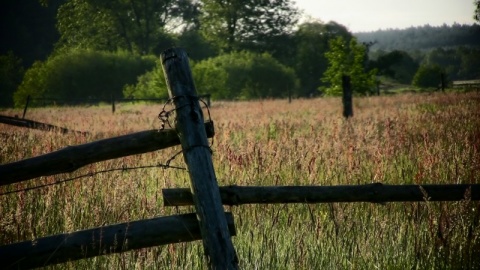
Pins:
<point x="442" y="81"/>
<point x="113" y="104"/>
<point x="347" y="97"/>
<point x="26" y="106"/>
<point x="217" y="243"/>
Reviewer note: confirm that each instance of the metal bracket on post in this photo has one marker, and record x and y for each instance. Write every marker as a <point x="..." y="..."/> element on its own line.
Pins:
<point x="189" y="124"/>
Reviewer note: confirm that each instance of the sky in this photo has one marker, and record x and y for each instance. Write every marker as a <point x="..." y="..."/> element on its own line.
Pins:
<point x="371" y="15"/>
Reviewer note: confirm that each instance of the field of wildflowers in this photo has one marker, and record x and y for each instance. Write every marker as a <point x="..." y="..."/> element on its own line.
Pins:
<point x="400" y="139"/>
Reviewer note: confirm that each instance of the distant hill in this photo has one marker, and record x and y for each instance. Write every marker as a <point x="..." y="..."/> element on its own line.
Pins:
<point x="423" y="38"/>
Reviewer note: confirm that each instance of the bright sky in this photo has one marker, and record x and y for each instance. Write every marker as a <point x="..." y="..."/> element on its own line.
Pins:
<point x="371" y="15"/>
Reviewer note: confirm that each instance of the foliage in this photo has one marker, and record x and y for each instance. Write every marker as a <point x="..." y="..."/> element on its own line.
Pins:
<point x="347" y="59"/>
<point x="11" y="73"/>
<point x="244" y="75"/>
<point x="82" y="74"/>
<point x="253" y="24"/>
<point x="136" y="26"/>
<point x="149" y="85"/>
<point x="428" y="76"/>
<point x="476" y="15"/>
<point x="460" y="63"/>
<point x="28" y="29"/>
<point x="312" y="39"/>
<point x="423" y="37"/>
<point x="398" y="65"/>
<point x="196" y="45"/>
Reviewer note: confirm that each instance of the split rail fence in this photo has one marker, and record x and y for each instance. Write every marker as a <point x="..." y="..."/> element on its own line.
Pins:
<point x="44" y="101"/>
<point x="210" y="223"/>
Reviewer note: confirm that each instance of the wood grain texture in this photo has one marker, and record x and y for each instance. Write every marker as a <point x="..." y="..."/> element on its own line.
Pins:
<point x="103" y="240"/>
<point x="375" y="193"/>
<point x="217" y="243"/>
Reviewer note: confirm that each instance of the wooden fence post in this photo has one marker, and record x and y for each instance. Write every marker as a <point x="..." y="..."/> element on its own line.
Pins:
<point x="442" y="81"/>
<point x="347" y="97"/>
<point x="113" y="104"/>
<point x="217" y="243"/>
<point x="26" y="106"/>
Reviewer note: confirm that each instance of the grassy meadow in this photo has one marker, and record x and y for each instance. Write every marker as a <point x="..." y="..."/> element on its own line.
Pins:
<point x="399" y="139"/>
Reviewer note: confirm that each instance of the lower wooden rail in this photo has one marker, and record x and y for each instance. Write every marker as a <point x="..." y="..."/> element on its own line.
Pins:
<point x="103" y="240"/>
<point x="376" y="193"/>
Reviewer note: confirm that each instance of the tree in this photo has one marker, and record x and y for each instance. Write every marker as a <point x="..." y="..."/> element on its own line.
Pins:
<point x="347" y="59"/>
<point x="311" y="44"/>
<point x="149" y="85"/>
<point x="469" y="65"/>
<point x="11" y="73"/>
<point x="476" y="15"/>
<point x="244" y="75"/>
<point x="82" y="74"/>
<point x="196" y="45"/>
<point x="28" y="29"/>
<point x="396" y="64"/>
<point x="428" y="76"/>
<point x="251" y="24"/>
<point x="139" y="26"/>
<point x="424" y="37"/>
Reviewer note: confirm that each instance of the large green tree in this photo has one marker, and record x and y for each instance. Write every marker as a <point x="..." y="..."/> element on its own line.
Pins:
<point x="11" y="73"/>
<point x="428" y="76"/>
<point x="396" y="64"/>
<point x="311" y="43"/>
<point x="140" y="26"/>
<point x="246" y="24"/>
<point x="347" y="59"/>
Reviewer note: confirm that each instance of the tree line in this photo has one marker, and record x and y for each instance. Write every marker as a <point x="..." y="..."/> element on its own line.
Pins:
<point x="422" y="38"/>
<point x="238" y="50"/>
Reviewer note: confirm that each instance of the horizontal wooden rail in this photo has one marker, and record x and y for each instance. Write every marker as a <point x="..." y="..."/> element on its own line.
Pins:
<point x="106" y="100"/>
<point x="375" y="193"/>
<point x="72" y="158"/>
<point x="19" y="122"/>
<point x="466" y="83"/>
<point x="103" y="240"/>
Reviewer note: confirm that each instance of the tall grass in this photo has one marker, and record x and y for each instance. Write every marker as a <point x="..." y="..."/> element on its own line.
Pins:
<point x="404" y="139"/>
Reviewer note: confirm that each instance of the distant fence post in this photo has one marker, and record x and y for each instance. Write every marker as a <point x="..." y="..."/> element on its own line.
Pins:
<point x="113" y="104"/>
<point x="442" y="81"/>
<point x="26" y="106"/>
<point x="378" y="87"/>
<point x="217" y="243"/>
<point x="347" y="97"/>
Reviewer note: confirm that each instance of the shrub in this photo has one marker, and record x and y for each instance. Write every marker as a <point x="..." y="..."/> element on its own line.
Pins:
<point x="428" y="76"/>
<point x="149" y="85"/>
<point x="11" y="73"/>
<point x="244" y="75"/>
<point x="82" y="74"/>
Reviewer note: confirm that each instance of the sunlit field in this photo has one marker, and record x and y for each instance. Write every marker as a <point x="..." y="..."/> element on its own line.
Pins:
<point x="401" y="139"/>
